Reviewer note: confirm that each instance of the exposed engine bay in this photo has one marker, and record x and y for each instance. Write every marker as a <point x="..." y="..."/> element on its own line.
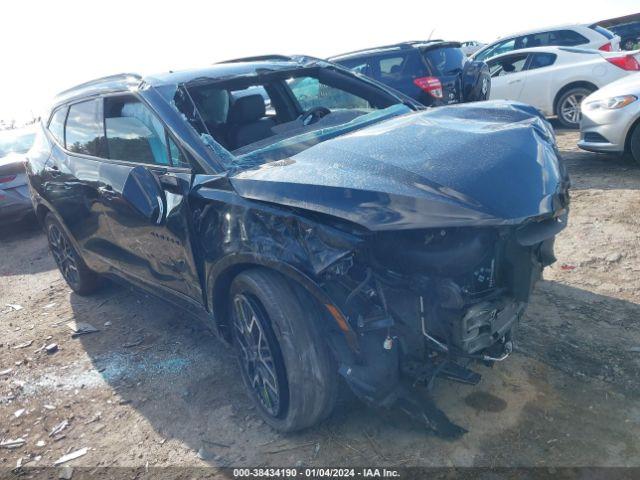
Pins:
<point x="427" y="303"/>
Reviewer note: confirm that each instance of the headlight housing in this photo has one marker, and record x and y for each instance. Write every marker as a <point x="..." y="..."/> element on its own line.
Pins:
<point x="612" y="103"/>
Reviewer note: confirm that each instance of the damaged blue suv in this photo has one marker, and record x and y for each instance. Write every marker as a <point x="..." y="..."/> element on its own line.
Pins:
<point x="329" y="228"/>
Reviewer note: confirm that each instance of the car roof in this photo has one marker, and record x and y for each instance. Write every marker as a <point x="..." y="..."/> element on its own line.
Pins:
<point x="546" y="29"/>
<point x="392" y="48"/>
<point x="219" y="71"/>
<point x="550" y="49"/>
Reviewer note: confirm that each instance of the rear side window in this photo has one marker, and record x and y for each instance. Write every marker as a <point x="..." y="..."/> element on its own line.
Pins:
<point x="602" y="31"/>
<point x="134" y="134"/>
<point x="444" y="61"/>
<point x="569" y="38"/>
<point x="566" y="38"/>
<point x="84" y="131"/>
<point x="56" y="124"/>
<point x="391" y="65"/>
<point x="540" y="60"/>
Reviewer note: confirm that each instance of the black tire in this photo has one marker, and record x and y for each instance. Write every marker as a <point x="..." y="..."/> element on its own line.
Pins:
<point x="568" y="106"/>
<point x="634" y="144"/>
<point x="297" y="356"/>
<point x="78" y="276"/>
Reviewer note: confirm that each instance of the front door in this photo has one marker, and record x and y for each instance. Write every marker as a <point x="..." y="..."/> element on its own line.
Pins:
<point x="146" y="185"/>
<point x="508" y="76"/>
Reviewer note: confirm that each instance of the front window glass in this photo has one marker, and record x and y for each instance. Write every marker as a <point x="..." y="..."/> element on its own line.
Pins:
<point x="178" y="159"/>
<point x="134" y="134"/>
<point x="497" y="49"/>
<point x="84" y="132"/>
<point x="507" y="66"/>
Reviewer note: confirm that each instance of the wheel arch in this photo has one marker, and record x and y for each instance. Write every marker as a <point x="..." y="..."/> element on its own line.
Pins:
<point x="41" y="212"/>
<point x="221" y="276"/>
<point x="574" y="84"/>
<point x="627" y="140"/>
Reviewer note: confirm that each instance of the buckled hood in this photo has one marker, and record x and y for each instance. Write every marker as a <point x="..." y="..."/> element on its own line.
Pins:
<point x="487" y="163"/>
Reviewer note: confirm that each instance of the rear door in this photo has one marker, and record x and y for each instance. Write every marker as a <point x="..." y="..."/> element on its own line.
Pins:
<point x="146" y="181"/>
<point x="508" y="76"/>
<point x="539" y="79"/>
<point x="70" y="178"/>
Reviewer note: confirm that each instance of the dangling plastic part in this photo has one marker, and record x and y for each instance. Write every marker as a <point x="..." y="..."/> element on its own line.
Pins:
<point x="388" y="343"/>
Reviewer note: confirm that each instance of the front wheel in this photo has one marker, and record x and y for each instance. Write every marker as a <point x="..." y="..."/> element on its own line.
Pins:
<point x="285" y="362"/>
<point x="568" y="108"/>
<point x="78" y="276"/>
<point x="634" y="144"/>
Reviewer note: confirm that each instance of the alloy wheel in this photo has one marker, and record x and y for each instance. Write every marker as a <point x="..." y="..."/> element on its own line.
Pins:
<point x="63" y="255"/>
<point x="257" y="354"/>
<point x="570" y="108"/>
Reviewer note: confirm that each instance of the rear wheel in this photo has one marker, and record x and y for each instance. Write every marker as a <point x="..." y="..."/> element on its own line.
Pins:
<point x="78" y="276"/>
<point x="568" y="107"/>
<point x="285" y="363"/>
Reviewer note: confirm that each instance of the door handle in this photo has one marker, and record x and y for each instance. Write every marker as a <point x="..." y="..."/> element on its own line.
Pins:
<point x="514" y="81"/>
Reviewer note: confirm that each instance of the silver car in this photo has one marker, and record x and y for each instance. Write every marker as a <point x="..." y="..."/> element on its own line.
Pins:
<point x="15" y="201"/>
<point x="611" y="118"/>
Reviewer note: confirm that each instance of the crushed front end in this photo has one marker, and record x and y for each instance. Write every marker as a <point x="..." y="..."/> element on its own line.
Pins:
<point x="427" y="303"/>
<point x="427" y="234"/>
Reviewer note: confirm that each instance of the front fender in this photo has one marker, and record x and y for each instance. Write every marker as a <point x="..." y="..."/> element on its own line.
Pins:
<point x="220" y="275"/>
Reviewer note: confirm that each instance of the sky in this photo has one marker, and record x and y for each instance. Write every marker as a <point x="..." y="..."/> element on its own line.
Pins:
<point x="48" y="46"/>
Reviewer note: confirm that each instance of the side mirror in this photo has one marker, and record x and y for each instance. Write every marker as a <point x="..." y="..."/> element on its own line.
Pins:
<point x="143" y="192"/>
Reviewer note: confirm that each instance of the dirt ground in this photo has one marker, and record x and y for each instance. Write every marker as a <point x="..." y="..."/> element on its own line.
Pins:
<point x="154" y="388"/>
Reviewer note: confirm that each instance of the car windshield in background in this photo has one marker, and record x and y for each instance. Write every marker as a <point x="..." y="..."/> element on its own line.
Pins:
<point x="15" y="141"/>
<point x="444" y="61"/>
<point x="277" y="113"/>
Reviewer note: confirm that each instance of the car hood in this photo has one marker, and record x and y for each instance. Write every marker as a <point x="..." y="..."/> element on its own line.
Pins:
<point x="486" y="163"/>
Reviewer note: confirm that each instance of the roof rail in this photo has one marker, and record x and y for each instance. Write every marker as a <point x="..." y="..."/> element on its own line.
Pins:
<point x="109" y="78"/>
<point x="257" y="58"/>
<point x="401" y="45"/>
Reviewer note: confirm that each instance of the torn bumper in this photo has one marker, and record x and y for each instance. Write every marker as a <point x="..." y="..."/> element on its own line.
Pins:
<point x="436" y="298"/>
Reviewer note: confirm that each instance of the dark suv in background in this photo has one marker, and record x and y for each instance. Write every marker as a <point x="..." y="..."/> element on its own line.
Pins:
<point x="432" y="72"/>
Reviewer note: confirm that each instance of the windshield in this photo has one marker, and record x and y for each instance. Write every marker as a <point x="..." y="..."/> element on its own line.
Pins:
<point x="278" y="112"/>
<point x="15" y="141"/>
<point x="291" y="146"/>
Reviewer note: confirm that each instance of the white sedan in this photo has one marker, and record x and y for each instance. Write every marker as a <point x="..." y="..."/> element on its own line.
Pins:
<point x="557" y="79"/>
